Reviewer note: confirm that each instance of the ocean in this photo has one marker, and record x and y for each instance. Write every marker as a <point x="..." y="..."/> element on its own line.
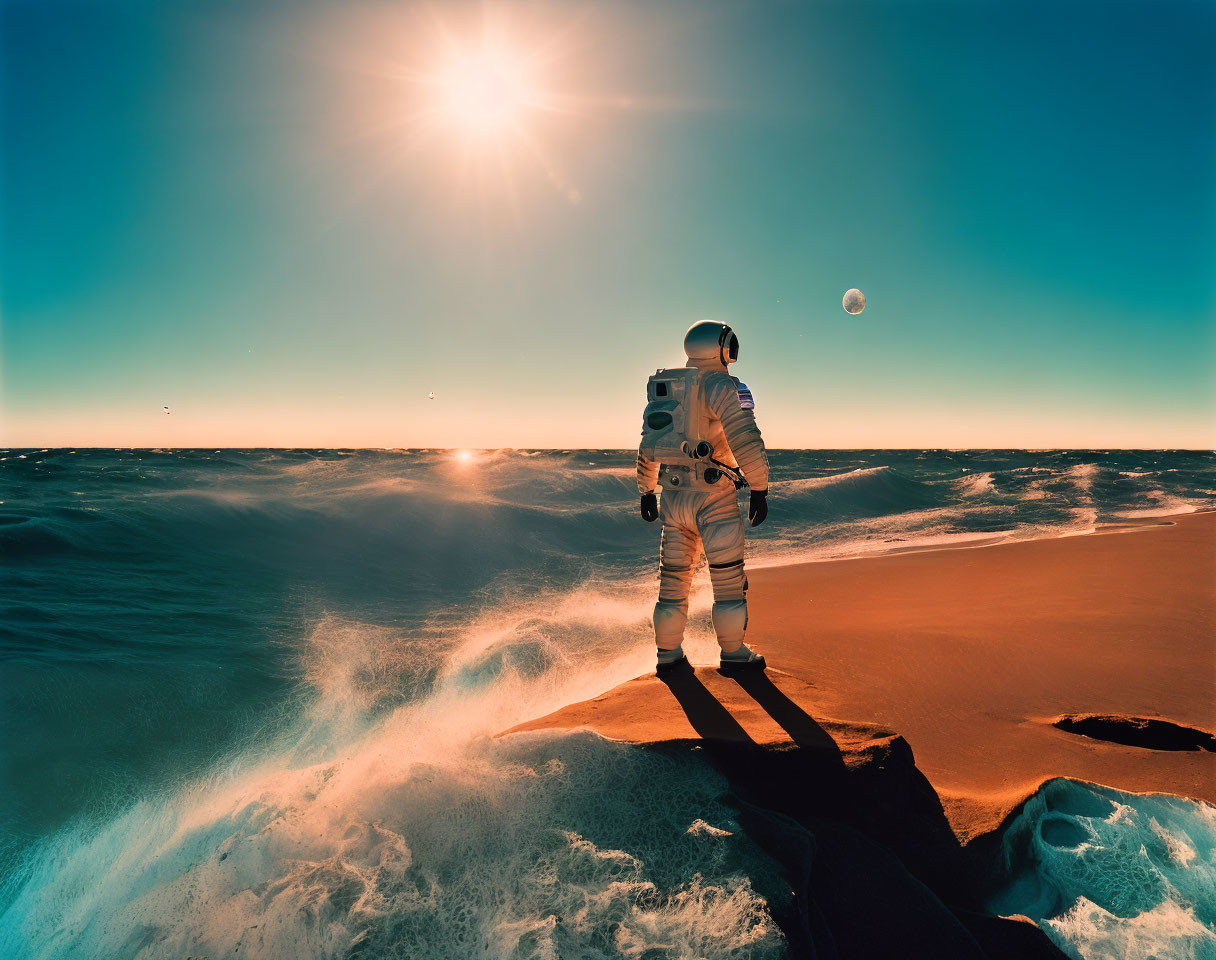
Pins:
<point x="249" y="696"/>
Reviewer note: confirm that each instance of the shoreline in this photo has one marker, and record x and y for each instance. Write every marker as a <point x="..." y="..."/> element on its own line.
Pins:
<point x="972" y="654"/>
<point x="915" y="702"/>
<point x="989" y="646"/>
<point x="983" y="541"/>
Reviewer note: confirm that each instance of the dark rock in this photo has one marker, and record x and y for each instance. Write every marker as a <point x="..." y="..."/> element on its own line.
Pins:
<point x="875" y="868"/>
<point x="1137" y="732"/>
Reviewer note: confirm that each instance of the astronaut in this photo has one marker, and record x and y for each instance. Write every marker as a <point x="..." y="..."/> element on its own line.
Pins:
<point x="700" y="443"/>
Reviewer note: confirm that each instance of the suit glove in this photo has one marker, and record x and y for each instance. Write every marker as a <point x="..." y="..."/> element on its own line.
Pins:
<point x="650" y="507"/>
<point x="757" y="510"/>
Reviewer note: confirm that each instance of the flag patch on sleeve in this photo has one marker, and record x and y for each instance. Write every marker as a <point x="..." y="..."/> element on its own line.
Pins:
<point x="746" y="401"/>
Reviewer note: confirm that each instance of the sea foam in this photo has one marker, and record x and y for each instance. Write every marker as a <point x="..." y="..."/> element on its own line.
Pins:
<point x="385" y="825"/>
<point x="1112" y="875"/>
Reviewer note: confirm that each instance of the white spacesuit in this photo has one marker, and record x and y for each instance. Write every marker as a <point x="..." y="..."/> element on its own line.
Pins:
<point x="699" y="437"/>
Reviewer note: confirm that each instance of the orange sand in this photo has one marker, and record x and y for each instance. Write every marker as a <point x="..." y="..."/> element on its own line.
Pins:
<point x="969" y="654"/>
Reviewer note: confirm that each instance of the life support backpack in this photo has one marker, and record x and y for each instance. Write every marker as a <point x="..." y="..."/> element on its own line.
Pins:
<point x="671" y="427"/>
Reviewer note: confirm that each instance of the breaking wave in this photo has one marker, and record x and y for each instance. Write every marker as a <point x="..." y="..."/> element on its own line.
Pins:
<point x="388" y="821"/>
<point x="1114" y="875"/>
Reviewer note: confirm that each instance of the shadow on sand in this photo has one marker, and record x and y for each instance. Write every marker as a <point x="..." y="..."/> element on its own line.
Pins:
<point x="875" y="868"/>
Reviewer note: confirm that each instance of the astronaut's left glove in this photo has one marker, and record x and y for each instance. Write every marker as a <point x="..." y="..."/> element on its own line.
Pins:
<point x="757" y="510"/>
<point x="650" y="507"/>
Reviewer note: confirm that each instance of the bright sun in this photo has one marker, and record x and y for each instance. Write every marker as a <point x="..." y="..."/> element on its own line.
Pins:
<point x="491" y="98"/>
<point x="485" y="91"/>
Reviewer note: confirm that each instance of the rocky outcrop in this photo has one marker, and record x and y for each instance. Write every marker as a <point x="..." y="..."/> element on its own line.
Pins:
<point x="862" y="837"/>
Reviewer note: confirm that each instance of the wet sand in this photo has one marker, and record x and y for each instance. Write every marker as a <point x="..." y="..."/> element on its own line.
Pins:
<point x="971" y="655"/>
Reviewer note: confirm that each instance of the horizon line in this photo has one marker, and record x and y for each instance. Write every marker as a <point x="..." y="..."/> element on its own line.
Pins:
<point x="167" y="449"/>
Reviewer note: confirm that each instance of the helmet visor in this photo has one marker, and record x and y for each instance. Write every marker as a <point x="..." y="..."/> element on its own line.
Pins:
<point x="732" y="348"/>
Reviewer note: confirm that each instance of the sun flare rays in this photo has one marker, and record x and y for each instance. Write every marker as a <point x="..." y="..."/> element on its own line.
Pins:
<point x="487" y="105"/>
<point x="483" y="100"/>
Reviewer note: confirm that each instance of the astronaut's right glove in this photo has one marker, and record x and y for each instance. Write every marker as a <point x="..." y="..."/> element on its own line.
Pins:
<point x="757" y="510"/>
<point x="650" y="507"/>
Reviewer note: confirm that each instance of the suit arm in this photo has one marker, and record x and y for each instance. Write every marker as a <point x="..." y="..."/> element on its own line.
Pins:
<point x="739" y="425"/>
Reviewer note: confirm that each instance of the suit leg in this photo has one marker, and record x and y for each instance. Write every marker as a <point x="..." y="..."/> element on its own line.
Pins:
<point x="679" y="551"/>
<point x="721" y="527"/>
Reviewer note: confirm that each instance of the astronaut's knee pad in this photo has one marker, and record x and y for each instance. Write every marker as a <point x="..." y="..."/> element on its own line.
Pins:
<point x="730" y="622"/>
<point x="670" y="618"/>
<point x="728" y="579"/>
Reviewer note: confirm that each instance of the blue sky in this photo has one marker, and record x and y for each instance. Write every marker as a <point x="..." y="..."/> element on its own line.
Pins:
<point x="235" y="209"/>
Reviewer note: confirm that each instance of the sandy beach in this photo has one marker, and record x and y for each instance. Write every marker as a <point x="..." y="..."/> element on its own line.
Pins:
<point x="971" y="654"/>
<point x="944" y="687"/>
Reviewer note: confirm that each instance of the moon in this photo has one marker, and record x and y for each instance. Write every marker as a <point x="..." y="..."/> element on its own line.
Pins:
<point x="854" y="301"/>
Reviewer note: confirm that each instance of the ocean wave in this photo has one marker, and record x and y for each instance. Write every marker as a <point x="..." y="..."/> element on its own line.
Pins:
<point x="869" y="491"/>
<point x="1112" y="875"/>
<point x="26" y="537"/>
<point x="555" y="846"/>
<point x="1163" y="504"/>
<point x="388" y="817"/>
<point x="976" y="484"/>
